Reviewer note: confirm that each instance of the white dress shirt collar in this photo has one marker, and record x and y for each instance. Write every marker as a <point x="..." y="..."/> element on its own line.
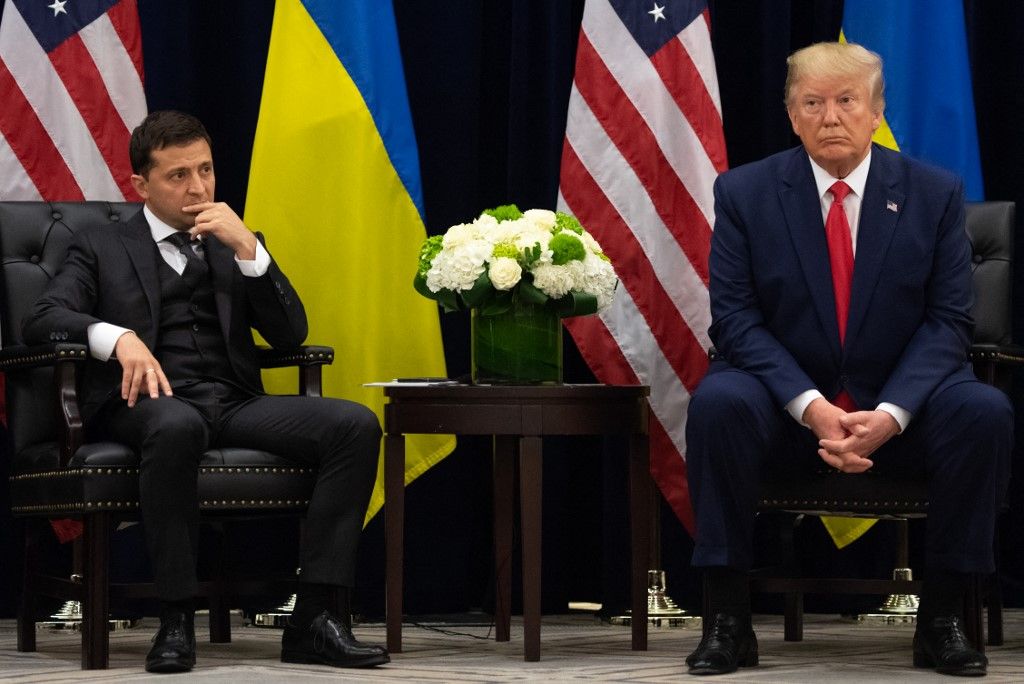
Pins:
<point x="856" y="179"/>
<point x="157" y="228"/>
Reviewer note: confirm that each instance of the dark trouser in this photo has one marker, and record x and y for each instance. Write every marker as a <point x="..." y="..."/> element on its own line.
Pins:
<point x="736" y="434"/>
<point x="339" y="438"/>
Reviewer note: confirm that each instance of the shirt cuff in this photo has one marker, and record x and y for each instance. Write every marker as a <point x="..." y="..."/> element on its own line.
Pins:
<point x="103" y="338"/>
<point x="901" y="415"/>
<point x="256" y="267"/>
<point x="799" y="404"/>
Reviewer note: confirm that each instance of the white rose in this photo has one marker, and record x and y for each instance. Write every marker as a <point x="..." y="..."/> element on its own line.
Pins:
<point x="505" y="273"/>
<point x="542" y="218"/>
<point x="485" y="222"/>
<point x="459" y="235"/>
<point x="590" y="242"/>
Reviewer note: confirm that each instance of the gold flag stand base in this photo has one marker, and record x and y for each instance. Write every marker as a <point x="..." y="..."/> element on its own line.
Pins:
<point x="69" y="618"/>
<point x="898" y="609"/>
<point x="277" y="618"/>
<point x="661" y="609"/>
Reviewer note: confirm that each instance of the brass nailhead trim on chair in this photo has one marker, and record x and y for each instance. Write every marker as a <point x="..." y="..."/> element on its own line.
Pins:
<point x="221" y="470"/>
<point x="36" y="358"/>
<point x="224" y="503"/>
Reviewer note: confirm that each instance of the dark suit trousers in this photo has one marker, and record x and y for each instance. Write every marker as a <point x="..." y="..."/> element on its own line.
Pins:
<point x="736" y="434"/>
<point x="339" y="438"/>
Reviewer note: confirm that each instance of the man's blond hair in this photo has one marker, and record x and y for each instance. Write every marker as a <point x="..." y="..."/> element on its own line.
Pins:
<point x="837" y="59"/>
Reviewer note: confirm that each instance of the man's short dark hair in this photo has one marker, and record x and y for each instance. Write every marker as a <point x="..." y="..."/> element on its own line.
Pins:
<point x="157" y="131"/>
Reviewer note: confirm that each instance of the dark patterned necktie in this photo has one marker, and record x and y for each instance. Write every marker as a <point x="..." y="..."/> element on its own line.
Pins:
<point x="183" y="241"/>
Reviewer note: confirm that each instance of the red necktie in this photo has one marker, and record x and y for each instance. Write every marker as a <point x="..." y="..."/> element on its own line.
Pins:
<point x="840" y="256"/>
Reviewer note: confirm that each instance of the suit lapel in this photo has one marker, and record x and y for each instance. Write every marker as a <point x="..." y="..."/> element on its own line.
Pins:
<point x="802" y="208"/>
<point x="138" y="242"/>
<point x="879" y="212"/>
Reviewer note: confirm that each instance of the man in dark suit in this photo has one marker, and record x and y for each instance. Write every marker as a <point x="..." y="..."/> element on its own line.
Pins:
<point x="167" y="304"/>
<point x="840" y="294"/>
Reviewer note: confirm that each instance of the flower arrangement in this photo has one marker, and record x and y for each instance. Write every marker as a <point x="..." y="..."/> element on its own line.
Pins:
<point x="506" y="256"/>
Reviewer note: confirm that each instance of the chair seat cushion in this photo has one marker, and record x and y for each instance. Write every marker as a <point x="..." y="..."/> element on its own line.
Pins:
<point x="104" y="476"/>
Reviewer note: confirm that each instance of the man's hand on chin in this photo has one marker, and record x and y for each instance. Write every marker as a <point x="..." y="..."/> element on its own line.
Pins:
<point x="141" y="372"/>
<point x="221" y="221"/>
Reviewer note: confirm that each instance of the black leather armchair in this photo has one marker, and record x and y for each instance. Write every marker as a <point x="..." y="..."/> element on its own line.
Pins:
<point x="56" y="474"/>
<point x="990" y="228"/>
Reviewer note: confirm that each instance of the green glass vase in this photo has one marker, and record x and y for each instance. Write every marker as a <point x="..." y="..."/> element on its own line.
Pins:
<point x="522" y="346"/>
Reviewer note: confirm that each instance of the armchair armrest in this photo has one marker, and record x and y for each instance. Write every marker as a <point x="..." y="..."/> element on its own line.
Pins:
<point x="310" y="360"/>
<point x="64" y="358"/>
<point x="993" y="362"/>
<point x="23" y="357"/>
<point x="998" y="353"/>
<point x="306" y="355"/>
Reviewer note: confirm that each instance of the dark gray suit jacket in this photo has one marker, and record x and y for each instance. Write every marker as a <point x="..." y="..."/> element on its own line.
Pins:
<point x="110" y="275"/>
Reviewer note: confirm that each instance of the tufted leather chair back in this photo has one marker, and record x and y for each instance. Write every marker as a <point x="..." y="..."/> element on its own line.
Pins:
<point x="34" y="239"/>
<point x="990" y="228"/>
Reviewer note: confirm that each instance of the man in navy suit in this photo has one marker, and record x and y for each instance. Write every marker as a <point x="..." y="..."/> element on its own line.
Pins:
<point x="841" y="325"/>
<point x="167" y="303"/>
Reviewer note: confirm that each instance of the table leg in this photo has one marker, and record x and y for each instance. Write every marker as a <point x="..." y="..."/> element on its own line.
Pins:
<point x="394" y="512"/>
<point x="641" y="510"/>
<point x="504" y="498"/>
<point x="530" y="468"/>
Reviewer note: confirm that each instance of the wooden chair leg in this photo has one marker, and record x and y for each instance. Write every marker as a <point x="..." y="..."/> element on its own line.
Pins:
<point x="96" y="597"/>
<point x="220" y="609"/>
<point x="27" y="604"/>
<point x="794" y="620"/>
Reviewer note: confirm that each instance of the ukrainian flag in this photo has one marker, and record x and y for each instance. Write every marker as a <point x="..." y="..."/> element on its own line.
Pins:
<point x="334" y="185"/>
<point x="929" y="106"/>
<point x="929" y="103"/>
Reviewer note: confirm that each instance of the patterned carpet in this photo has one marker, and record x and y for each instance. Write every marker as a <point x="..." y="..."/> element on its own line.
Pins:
<point x="576" y="647"/>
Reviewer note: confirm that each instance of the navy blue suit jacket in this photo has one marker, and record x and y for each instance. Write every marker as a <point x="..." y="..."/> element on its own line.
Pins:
<point x="773" y="313"/>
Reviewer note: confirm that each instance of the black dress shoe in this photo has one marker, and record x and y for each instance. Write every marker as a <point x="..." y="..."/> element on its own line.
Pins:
<point x="728" y="644"/>
<point x="940" y="643"/>
<point x="174" y="646"/>
<point x="328" y="641"/>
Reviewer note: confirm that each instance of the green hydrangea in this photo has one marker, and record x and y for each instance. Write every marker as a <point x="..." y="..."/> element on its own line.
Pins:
<point x="505" y="249"/>
<point x="564" y="221"/>
<point x="506" y="212"/>
<point x="431" y="246"/>
<point x="566" y="247"/>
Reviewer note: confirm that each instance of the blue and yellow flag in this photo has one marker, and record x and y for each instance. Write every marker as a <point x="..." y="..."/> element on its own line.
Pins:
<point x="335" y="186"/>
<point x="929" y="106"/>
<point x="929" y="103"/>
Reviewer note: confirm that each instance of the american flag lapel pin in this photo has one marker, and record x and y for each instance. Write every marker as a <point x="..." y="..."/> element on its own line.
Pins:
<point x="892" y="206"/>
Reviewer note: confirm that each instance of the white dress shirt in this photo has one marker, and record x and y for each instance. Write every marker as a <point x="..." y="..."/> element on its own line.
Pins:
<point x="856" y="179"/>
<point x="103" y="337"/>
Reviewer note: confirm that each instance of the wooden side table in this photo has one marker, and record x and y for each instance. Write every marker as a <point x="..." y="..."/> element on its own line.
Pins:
<point x="518" y="417"/>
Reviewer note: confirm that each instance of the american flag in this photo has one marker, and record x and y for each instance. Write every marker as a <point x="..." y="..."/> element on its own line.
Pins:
<point x="71" y="87"/>
<point x="70" y="95"/>
<point x="643" y="146"/>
